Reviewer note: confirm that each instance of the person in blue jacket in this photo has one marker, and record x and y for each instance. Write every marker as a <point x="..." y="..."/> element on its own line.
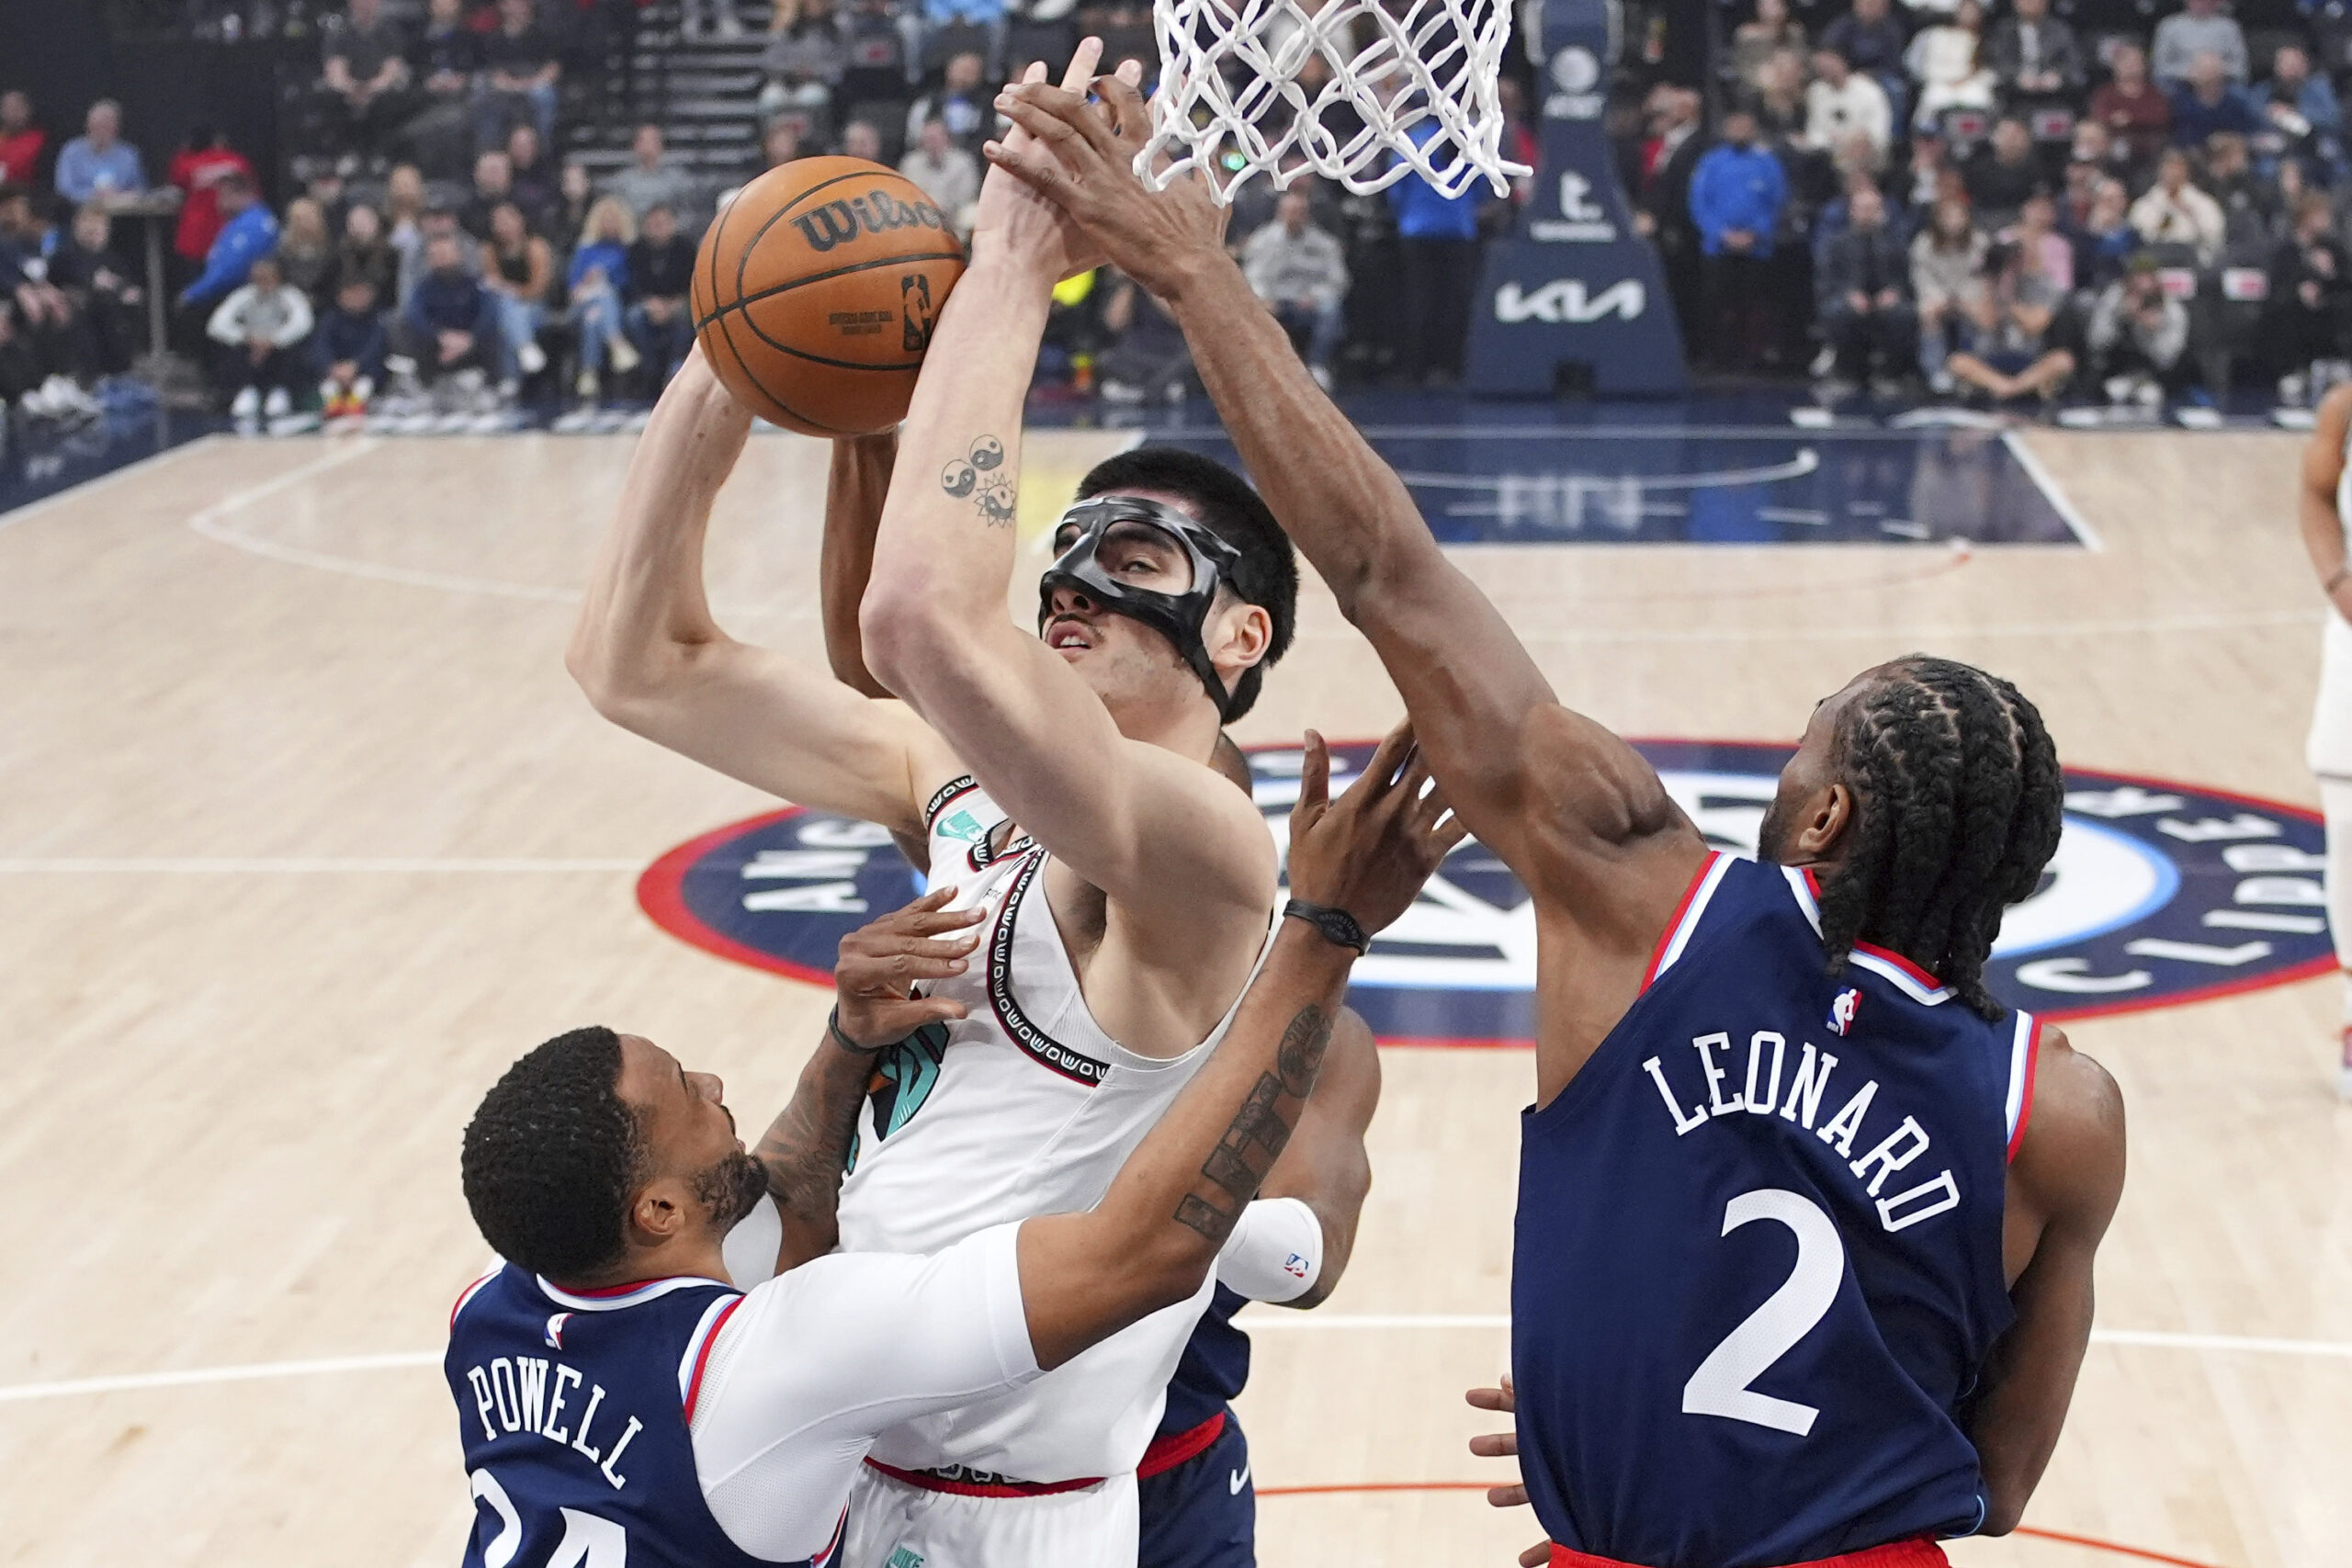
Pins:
<point x="1737" y="193"/>
<point x="249" y="234"/>
<point x="1437" y="237"/>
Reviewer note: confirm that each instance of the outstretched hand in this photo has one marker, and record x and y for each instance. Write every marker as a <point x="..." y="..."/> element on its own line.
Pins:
<point x="1082" y="157"/>
<point x="880" y="962"/>
<point x="1011" y="217"/>
<point x="1369" y="851"/>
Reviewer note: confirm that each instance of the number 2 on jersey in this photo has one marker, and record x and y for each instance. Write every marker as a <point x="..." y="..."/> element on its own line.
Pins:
<point x="588" y="1541"/>
<point x="1720" y="1386"/>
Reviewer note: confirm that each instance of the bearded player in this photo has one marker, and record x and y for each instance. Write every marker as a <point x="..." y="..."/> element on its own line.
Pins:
<point x="1806" y="1217"/>
<point x="1060" y="780"/>
<point x="1196" y="1503"/>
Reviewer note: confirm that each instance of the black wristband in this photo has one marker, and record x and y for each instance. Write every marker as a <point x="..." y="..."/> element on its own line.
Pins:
<point x="833" y="1028"/>
<point x="1338" y="926"/>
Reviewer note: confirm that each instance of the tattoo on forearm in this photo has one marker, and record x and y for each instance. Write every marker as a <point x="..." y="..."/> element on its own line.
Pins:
<point x="805" y="1149"/>
<point x="981" y="476"/>
<point x="1259" y="1131"/>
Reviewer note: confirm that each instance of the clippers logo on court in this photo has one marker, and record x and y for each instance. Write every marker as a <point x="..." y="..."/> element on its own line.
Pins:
<point x="2160" y="893"/>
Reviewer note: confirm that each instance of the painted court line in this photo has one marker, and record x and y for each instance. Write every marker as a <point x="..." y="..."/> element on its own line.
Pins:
<point x="2051" y="492"/>
<point x="1257" y="1321"/>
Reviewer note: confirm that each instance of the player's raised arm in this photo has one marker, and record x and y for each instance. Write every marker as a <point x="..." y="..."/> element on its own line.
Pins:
<point x="855" y="492"/>
<point x="1541" y="787"/>
<point x="1157" y="1231"/>
<point x="1324" y="1168"/>
<point x="651" y="655"/>
<point x="2322" y="528"/>
<point x="2062" y="1191"/>
<point x="1129" y="817"/>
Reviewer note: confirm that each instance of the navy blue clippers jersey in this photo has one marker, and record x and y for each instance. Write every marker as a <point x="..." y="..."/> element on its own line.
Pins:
<point x="573" y="1409"/>
<point x="1214" y="1368"/>
<point x="1759" y="1247"/>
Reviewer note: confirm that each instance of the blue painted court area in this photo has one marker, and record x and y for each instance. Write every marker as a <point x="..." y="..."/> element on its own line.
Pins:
<point x="1482" y="482"/>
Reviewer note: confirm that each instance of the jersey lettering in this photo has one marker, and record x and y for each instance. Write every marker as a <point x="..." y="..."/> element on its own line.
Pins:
<point x="1720" y="1386"/>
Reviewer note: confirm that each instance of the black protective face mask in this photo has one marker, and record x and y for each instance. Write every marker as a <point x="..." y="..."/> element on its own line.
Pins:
<point x="1180" y="617"/>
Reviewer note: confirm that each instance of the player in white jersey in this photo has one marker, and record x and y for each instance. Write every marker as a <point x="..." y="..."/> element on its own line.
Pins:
<point x="618" y="1399"/>
<point x="1145" y="882"/>
<point x="2326" y="518"/>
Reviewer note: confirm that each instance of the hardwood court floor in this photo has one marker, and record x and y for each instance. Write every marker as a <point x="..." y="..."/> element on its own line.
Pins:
<point x="304" y="835"/>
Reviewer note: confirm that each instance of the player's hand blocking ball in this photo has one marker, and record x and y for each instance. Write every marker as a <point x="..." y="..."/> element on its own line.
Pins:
<point x="815" y="291"/>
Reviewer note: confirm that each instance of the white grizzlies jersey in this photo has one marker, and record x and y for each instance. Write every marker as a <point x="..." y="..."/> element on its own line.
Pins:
<point x="1025" y="1106"/>
<point x="2329" y="748"/>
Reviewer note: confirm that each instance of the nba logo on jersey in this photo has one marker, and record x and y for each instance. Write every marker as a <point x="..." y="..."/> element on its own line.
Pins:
<point x="1842" y="1011"/>
<point x="554" y="1334"/>
<point x="1295" y="1266"/>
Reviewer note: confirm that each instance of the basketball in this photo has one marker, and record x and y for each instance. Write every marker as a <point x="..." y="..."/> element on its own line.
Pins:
<point x="815" y="291"/>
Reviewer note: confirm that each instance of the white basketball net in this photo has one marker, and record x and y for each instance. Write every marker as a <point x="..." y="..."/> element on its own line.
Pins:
<point x="1239" y="94"/>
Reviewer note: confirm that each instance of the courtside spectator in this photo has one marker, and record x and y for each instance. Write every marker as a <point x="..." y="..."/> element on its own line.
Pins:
<point x="804" y="65"/>
<point x="442" y="66"/>
<point x="1438" y="236"/>
<point x="944" y="172"/>
<point x="1301" y="275"/>
<point x="2175" y="212"/>
<point x="661" y="271"/>
<point x="493" y="187"/>
<point x="2209" y="104"/>
<point x="2197" y="30"/>
<point x="260" y="328"/>
<point x="99" y="165"/>
<point x="348" y="348"/>
<point x="2300" y="107"/>
<point x="2137" y="336"/>
<point x="102" y="288"/>
<point x="1999" y="178"/>
<point x="598" y="281"/>
<point x="21" y="142"/>
<point x="438" y="223"/>
<point x="2309" y="315"/>
<point x="2105" y="240"/>
<point x="364" y="77"/>
<point x="450" y="320"/>
<point x="1843" y="102"/>
<point x="1864" y="292"/>
<point x="1947" y="274"/>
<point x="2036" y="230"/>
<point x="45" y="316"/>
<point x="2136" y="112"/>
<point x="961" y="101"/>
<point x="519" y="77"/>
<point x="650" y="180"/>
<point x="1737" y="193"/>
<point x="306" y="251"/>
<point x="532" y="176"/>
<point x="1946" y="61"/>
<point x="575" y="193"/>
<point x="363" y="252"/>
<point x="519" y="271"/>
<point x="248" y="232"/>
<point x="860" y="139"/>
<point x="2013" y="349"/>
<point x="197" y="168"/>
<point x="1758" y="40"/>
<point x="1872" y="42"/>
<point x="2254" y="214"/>
<point x="2035" y="57"/>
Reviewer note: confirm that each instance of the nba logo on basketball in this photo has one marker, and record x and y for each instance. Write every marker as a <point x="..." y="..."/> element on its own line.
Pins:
<point x="1842" y="1011"/>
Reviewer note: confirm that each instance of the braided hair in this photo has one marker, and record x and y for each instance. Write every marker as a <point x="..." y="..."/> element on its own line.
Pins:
<point x="552" y="1156"/>
<point x="1957" y="801"/>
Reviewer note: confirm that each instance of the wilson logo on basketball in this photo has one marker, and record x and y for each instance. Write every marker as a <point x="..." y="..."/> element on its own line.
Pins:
<point x="876" y="212"/>
<point x="2160" y="893"/>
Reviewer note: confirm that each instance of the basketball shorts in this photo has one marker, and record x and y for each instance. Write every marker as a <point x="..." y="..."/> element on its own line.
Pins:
<point x="2329" y="749"/>
<point x="898" y="1521"/>
<point x="1202" y="1513"/>
<point x="1893" y="1554"/>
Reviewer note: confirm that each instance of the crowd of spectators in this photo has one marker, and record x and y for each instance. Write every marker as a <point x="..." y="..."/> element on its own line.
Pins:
<point x="1990" y="205"/>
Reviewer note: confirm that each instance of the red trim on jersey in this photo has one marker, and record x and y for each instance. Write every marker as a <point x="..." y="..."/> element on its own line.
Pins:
<point x="1173" y="1449"/>
<point x="1888" y="955"/>
<point x="1665" y="938"/>
<point x="465" y="1295"/>
<point x="931" y="1480"/>
<point x="604" y="1292"/>
<point x="702" y="1356"/>
<point x="1919" y="1554"/>
<point x="2025" y="1101"/>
